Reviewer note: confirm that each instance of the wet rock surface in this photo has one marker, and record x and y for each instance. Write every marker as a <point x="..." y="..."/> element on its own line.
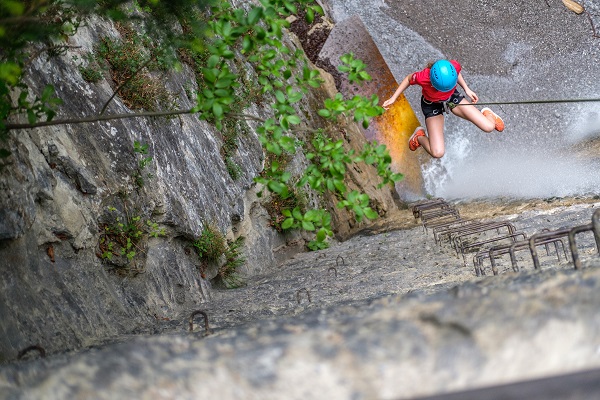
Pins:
<point x="510" y="51"/>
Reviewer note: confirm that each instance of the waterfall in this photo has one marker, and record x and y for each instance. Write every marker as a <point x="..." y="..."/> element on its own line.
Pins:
<point x="546" y="150"/>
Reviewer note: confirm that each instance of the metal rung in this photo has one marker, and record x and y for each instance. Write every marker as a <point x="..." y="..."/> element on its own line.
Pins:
<point x="457" y="229"/>
<point x="428" y="209"/>
<point x="455" y="240"/>
<point x="514" y="237"/>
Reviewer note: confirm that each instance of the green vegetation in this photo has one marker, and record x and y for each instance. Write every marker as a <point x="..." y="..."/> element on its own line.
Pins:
<point x="91" y="70"/>
<point x="130" y="60"/>
<point x="276" y="206"/>
<point x="228" y="273"/>
<point x="212" y="246"/>
<point x="124" y="232"/>
<point x="139" y="175"/>
<point x="231" y="130"/>
<point x="121" y="237"/>
<point x="214" y="41"/>
<point x="124" y="237"/>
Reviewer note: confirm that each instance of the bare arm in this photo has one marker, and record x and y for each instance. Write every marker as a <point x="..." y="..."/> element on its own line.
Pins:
<point x="403" y="85"/>
<point x="471" y="94"/>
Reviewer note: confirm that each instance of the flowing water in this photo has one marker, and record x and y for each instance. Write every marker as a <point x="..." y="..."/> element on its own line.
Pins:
<point x="510" y="51"/>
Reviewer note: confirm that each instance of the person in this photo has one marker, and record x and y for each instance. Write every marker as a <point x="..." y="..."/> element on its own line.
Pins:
<point x="438" y="82"/>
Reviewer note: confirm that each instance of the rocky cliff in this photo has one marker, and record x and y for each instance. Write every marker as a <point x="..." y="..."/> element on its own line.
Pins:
<point x="66" y="186"/>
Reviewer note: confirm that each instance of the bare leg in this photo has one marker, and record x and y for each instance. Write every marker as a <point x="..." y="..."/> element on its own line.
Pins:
<point x="434" y="144"/>
<point x="470" y="113"/>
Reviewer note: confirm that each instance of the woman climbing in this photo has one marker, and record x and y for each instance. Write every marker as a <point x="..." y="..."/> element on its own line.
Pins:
<point x="439" y="93"/>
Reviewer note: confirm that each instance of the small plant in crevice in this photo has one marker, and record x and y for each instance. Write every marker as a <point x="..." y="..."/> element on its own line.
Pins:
<point x="228" y="273"/>
<point x="93" y="69"/>
<point x="231" y="130"/>
<point x="90" y="74"/>
<point x="276" y="204"/>
<point x="125" y="228"/>
<point x="122" y="238"/>
<point x="233" y="169"/>
<point x="139" y="176"/>
<point x="211" y="244"/>
<point x="212" y="247"/>
<point x="130" y="60"/>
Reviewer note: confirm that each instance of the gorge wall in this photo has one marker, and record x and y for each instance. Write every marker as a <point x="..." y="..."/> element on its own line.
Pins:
<point x="63" y="185"/>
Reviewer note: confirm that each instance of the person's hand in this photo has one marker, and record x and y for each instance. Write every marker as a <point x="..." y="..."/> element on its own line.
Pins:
<point x="388" y="103"/>
<point x="472" y="95"/>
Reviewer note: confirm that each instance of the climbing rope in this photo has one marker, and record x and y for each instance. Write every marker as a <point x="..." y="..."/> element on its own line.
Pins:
<point x="495" y="103"/>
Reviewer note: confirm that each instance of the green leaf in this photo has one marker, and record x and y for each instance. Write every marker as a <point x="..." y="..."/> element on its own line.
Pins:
<point x="217" y="110"/>
<point x="308" y="226"/>
<point x="212" y="61"/>
<point x="316" y="83"/>
<point x="339" y="185"/>
<point x="14" y="7"/>
<point x="311" y="215"/>
<point x="50" y="114"/>
<point x="286" y="176"/>
<point x="247" y="44"/>
<point x="363" y="198"/>
<point x="310" y="16"/>
<point x="48" y="91"/>
<point x="288" y="143"/>
<point x="221" y="92"/>
<point x="254" y="15"/>
<point x="291" y="7"/>
<point x="297" y="214"/>
<point x="226" y="29"/>
<point x="396" y="177"/>
<point x="287" y="223"/>
<point x="210" y="74"/>
<point x="276" y="187"/>
<point x="330" y="185"/>
<point x="358" y="211"/>
<point x="31" y="117"/>
<point x="321" y="235"/>
<point x="273" y="148"/>
<point x="293" y="119"/>
<point x="223" y="83"/>
<point x="280" y="96"/>
<point x="370" y="213"/>
<point x="260" y="33"/>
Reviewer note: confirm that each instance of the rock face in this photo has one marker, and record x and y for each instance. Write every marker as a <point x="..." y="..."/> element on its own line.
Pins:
<point x="65" y="185"/>
<point x="397" y="317"/>
<point x="386" y="315"/>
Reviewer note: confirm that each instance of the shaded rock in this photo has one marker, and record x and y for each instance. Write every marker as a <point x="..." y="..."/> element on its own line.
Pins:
<point x="62" y="180"/>
<point x="393" y="347"/>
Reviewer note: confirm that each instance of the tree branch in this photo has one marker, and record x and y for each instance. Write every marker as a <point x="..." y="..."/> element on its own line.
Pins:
<point x="144" y="65"/>
<point x="96" y="118"/>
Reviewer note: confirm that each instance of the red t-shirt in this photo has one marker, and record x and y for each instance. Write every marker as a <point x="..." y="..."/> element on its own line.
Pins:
<point x="430" y="93"/>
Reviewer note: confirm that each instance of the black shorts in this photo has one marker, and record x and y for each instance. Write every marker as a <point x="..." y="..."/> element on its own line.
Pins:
<point x="431" y="109"/>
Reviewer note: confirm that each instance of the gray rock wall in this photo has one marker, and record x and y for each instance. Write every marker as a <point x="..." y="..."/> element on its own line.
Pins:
<point x="55" y="289"/>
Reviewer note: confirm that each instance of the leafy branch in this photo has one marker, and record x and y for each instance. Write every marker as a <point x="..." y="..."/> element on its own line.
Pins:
<point x="253" y="36"/>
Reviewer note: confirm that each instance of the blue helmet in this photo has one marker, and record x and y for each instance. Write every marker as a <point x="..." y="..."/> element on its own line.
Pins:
<point x="443" y="75"/>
